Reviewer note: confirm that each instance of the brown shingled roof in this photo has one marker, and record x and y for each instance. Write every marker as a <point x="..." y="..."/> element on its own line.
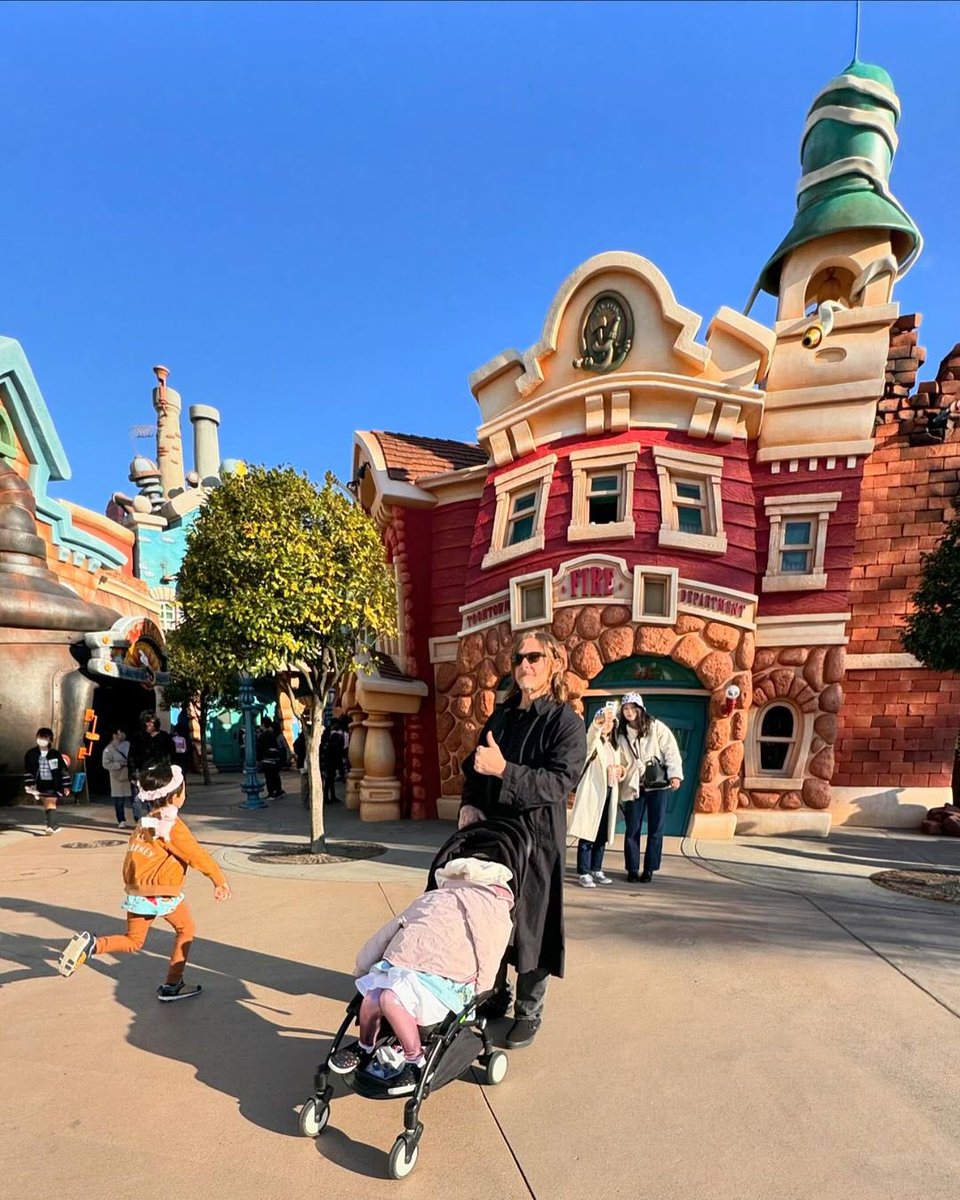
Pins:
<point x="410" y="457"/>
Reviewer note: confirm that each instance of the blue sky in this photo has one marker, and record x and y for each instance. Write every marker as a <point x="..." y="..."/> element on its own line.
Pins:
<point x="324" y="217"/>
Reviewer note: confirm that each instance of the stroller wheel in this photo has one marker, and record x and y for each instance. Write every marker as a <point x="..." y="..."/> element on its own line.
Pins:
<point x="314" y="1118"/>
<point x="400" y="1165"/>
<point x="496" y="1066"/>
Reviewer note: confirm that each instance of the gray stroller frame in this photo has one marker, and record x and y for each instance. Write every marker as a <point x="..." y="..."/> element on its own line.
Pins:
<point x="452" y="1046"/>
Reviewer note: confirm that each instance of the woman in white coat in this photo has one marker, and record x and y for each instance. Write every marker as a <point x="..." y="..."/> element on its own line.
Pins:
<point x="640" y="738"/>
<point x="594" y="816"/>
<point x="115" y="755"/>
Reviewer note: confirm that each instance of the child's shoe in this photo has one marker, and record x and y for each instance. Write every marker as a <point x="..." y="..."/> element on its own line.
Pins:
<point x="349" y="1058"/>
<point x="80" y="947"/>
<point x="168" y="992"/>
<point x="601" y="878"/>
<point x="394" y="1082"/>
<point x="587" y="881"/>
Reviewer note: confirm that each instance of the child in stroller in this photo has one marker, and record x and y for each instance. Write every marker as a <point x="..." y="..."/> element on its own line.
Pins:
<point x="426" y="963"/>
<point x="419" y="979"/>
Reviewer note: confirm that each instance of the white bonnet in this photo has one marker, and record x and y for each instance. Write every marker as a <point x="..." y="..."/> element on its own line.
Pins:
<point x="476" y="870"/>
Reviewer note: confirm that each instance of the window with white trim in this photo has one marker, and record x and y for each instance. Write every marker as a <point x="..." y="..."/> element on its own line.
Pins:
<point x="602" y="506"/>
<point x="521" y="518"/>
<point x="655" y="595"/>
<point x="171" y="615"/>
<point x="691" y="505"/>
<point x="776" y="747"/>
<point x="798" y="541"/>
<point x="518" y="522"/>
<point x="531" y="599"/>
<point x="777" y="739"/>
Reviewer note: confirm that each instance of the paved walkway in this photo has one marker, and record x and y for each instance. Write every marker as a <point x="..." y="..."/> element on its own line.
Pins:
<point x="761" y="1022"/>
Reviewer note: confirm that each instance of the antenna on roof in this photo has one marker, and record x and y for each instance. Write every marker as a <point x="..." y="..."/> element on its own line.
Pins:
<point x="142" y="431"/>
<point x="856" y="32"/>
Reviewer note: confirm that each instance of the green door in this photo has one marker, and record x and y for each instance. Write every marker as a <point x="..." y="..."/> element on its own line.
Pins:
<point x="223" y="734"/>
<point x="686" y="716"/>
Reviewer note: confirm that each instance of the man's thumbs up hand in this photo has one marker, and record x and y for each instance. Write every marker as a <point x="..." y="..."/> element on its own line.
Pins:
<point x="487" y="759"/>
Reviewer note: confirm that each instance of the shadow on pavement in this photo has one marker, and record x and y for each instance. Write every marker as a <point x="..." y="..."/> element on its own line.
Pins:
<point x="227" y="1035"/>
<point x="878" y="851"/>
<point x="679" y="911"/>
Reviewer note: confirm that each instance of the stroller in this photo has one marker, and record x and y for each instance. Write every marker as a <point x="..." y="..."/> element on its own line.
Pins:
<point x="451" y="1047"/>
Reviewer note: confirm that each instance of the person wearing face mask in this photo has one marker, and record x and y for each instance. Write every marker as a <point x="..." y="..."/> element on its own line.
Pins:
<point x="528" y="758"/>
<point x="640" y="738"/>
<point x="46" y="777"/>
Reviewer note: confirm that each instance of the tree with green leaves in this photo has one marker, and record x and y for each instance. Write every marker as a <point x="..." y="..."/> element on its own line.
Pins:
<point x="933" y="629"/>
<point x="282" y="577"/>
<point x="198" y="683"/>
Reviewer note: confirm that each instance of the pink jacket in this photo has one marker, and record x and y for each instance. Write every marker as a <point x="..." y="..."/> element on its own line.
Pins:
<point x="460" y="931"/>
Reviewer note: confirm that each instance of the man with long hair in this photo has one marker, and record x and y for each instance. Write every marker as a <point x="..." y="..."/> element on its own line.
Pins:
<point x="528" y="758"/>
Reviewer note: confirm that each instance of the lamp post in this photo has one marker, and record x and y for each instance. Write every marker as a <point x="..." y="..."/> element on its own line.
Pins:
<point x="251" y="783"/>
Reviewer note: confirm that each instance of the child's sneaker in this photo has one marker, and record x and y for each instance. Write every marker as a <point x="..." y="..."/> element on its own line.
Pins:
<point x="601" y="878"/>
<point x="395" y="1083"/>
<point x="349" y="1058"/>
<point x="587" y="881"/>
<point x="80" y="947"/>
<point x="167" y="992"/>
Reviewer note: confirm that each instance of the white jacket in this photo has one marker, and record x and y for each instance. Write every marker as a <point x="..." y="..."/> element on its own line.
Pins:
<point x="636" y="752"/>
<point x="591" y="794"/>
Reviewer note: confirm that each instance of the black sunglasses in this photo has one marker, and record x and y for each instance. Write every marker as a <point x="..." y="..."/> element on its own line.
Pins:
<point x="532" y="657"/>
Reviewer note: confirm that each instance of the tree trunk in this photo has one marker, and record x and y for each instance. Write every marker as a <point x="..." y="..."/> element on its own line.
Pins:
<point x="313" y="733"/>
<point x="203" y="706"/>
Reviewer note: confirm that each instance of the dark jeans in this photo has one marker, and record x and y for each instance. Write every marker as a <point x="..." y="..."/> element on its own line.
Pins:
<point x="271" y="777"/>
<point x="654" y="804"/>
<point x="119" y="804"/>
<point x="531" y="991"/>
<point x="590" y="854"/>
<point x="330" y="783"/>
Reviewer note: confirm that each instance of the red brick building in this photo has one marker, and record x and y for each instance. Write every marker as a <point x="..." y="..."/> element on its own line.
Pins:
<point x="732" y="526"/>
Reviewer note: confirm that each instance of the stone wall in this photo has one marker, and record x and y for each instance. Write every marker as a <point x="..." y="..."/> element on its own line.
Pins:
<point x="810" y="677"/>
<point x="592" y="637"/>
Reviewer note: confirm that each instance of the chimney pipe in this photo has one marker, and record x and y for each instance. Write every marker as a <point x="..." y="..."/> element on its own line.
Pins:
<point x="206" y="441"/>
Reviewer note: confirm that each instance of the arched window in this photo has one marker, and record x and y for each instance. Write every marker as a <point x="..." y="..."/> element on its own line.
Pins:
<point x="777" y="740"/>
<point x="832" y="283"/>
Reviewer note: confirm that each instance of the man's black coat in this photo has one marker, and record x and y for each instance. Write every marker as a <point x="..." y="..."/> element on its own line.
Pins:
<point x="545" y="748"/>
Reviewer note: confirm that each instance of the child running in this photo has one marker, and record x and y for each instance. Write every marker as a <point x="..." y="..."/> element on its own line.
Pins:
<point x="161" y="848"/>
<point x="429" y="961"/>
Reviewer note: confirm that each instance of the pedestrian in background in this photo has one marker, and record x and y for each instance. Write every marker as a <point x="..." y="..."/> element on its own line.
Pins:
<point x="46" y="777"/>
<point x="151" y="747"/>
<point x="594" y="816"/>
<point x="116" y="756"/>
<point x="270" y="757"/>
<point x="641" y="739"/>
